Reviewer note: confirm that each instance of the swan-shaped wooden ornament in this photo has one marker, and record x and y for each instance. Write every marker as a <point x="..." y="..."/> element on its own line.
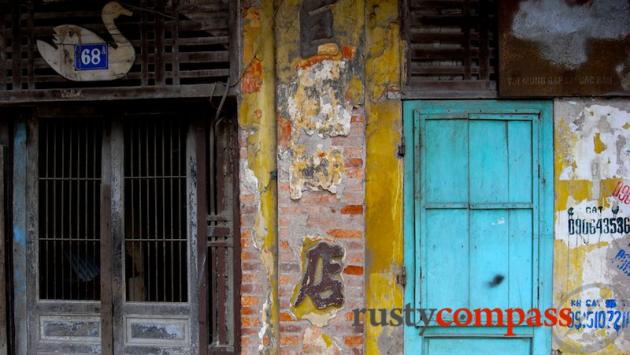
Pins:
<point x="81" y="55"/>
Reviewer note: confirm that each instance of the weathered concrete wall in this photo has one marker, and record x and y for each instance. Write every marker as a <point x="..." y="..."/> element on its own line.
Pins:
<point x="592" y="223"/>
<point x="321" y="154"/>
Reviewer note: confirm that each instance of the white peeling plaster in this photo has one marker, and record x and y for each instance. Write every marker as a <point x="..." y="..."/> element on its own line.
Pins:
<point x="315" y="344"/>
<point x="249" y="181"/>
<point x="265" y="324"/>
<point x="614" y="161"/>
<point x="333" y="111"/>
<point x="562" y="31"/>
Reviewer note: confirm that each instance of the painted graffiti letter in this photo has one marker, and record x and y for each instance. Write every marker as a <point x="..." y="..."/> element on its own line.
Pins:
<point x="321" y="279"/>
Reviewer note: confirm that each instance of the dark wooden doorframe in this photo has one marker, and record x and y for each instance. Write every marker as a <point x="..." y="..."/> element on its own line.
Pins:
<point x="215" y="227"/>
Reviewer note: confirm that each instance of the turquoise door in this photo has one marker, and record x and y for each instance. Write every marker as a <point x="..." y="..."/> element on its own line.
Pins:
<point x="479" y="211"/>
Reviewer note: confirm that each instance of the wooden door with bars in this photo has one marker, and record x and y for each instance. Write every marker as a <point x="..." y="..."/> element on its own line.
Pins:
<point x="124" y="226"/>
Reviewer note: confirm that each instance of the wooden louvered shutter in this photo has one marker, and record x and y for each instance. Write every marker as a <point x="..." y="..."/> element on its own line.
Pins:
<point x="451" y="48"/>
<point x="183" y="49"/>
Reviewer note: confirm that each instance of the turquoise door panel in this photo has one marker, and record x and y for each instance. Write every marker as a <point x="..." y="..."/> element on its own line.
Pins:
<point x="447" y="157"/>
<point x="489" y="242"/>
<point x="477" y="191"/>
<point x="467" y="346"/>
<point x="488" y="158"/>
<point x="450" y="273"/>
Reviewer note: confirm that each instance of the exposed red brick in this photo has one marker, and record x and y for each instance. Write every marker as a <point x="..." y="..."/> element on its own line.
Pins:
<point x="289" y="340"/>
<point x="284" y="279"/>
<point x="354" y="173"/>
<point x="249" y="322"/>
<point x="356" y="118"/>
<point x="246" y="278"/>
<point x="249" y="331"/>
<point x="249" y="300"/>
<point x="285" y="316"/>
<point x="247" y="311"/>
<point x="352" y="209"/>
<point x="247" y="255"/>
<point x="353" y="270"/>
<point x="290" y="328"/>
<point x="345" y="233"/>
<point x="353" y="340"/>
<point x="252" y="78"/>
<point x="354" y="163"/>
<point x="284" y="131"/>
<point x="249" y="266"/>
<point x="347" y="52"/>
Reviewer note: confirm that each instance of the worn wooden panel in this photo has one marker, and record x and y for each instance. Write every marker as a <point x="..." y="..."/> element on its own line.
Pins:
<point x="162" y="331"/>
<point x="202" y="227"/>
<point x="177" y="45"/>
<point x="19" y="237"/>
<point x="564" y="48"/>
<point x="224" y="273"/>
<point x="70" y="329"/>
<point x="118" y="232"/>
<point x="451" y="48"/>
<point x="107" y="299"/>
<point x="65" y="315"/>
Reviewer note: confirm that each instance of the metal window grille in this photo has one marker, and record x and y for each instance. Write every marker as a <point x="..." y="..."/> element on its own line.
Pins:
<point x="452" y="48"/>
<point x="155" y="210"/>
<point x="69" y="209"/>
<point x="155" y="237"/>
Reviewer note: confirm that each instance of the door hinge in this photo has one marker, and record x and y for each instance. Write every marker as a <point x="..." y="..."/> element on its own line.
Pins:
<point x="401" y="147"/>
<point x="401" y="278"/>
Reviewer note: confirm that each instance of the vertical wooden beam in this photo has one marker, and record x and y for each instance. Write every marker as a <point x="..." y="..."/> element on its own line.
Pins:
<point x="17" y="48"/>
<point x="234" y="27"/>
<point x="202" y="234"/>
<point x="32" y="230"/>
<point x="3" y="49"/>
<point x="236" y="235"/>
<point x="159" y="45"/>
<point x="3" y="278"/>
<point x="19" y="237"/>
<point x="175" y="44"/>
<point x="118" y="233"/>
<point x="107" y="336"/>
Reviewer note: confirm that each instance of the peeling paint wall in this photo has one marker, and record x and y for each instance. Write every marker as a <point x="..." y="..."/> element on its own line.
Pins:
<point x="257" y="141"/>
<point x="328" y="127"/>
<point x="321" y="153"/>
<point x="592" y="222"/>
<point x="384" y="187"/>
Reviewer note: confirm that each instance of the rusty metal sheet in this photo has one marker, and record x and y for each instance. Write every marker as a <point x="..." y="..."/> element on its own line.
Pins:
<point x="564" y="48"/>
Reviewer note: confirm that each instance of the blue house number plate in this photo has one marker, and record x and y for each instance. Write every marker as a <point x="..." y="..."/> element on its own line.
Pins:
<point x="90" y="56"/>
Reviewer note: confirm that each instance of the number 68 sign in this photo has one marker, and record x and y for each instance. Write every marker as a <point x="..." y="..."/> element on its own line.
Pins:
<point x="90" y="56"/>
